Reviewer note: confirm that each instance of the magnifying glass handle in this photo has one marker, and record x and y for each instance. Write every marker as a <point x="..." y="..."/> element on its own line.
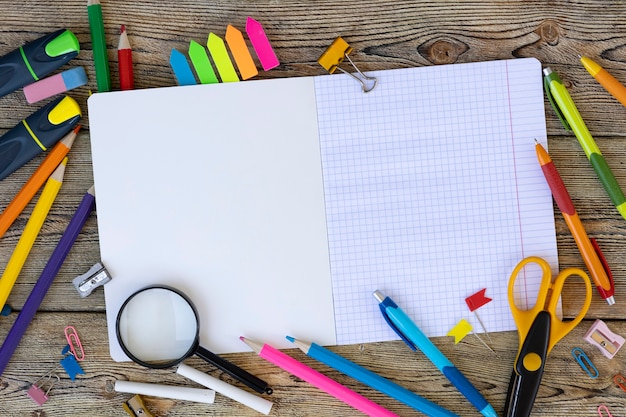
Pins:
<point x="233" y="370"/>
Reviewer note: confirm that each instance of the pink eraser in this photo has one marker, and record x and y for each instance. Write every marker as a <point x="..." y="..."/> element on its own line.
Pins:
<point x="604" y="339"/>
<point x="56" y="84"/>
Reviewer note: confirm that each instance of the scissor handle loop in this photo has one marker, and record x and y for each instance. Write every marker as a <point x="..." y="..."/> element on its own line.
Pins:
<point x="525" y="318"/>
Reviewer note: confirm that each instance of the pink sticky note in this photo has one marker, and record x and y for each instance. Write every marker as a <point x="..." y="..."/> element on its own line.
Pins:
<point x="261" y="44"/>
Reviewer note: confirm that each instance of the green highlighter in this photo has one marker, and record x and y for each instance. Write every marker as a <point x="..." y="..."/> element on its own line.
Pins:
<point x="37" y="133"/>
<point x="572" y="120"/>
<point x="36" y="59"/>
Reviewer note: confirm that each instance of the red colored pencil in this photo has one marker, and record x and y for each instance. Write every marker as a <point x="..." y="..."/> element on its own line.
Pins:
<point x="125" y="61"/>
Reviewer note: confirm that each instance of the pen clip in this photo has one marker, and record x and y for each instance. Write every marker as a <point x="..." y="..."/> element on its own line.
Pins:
<point x="555" y="106"/>
<point x="605" y="265"/>
<point x="387" y="302"/>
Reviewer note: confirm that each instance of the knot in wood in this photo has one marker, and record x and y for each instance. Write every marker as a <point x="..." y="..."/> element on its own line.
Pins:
<point x="442" y="51"/>
<point x="549" y="32"/>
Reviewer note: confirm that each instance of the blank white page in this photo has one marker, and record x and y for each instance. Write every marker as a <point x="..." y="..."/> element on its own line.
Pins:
<point x="433" y="192"/>
<point x="216" y="190"/>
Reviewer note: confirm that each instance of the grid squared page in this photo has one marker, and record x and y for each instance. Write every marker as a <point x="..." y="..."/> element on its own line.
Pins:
<point x="433" y="192"/>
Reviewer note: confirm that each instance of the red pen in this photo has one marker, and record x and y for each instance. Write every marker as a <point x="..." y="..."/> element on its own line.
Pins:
<point x="125" y="61"/>
<point x="591" y="254"/>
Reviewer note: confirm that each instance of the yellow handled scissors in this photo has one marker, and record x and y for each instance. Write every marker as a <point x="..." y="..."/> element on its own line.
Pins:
<point x="539" y="329"/>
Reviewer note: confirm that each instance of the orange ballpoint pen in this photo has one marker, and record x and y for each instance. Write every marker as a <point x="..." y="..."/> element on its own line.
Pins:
<point x="599" y="271"/>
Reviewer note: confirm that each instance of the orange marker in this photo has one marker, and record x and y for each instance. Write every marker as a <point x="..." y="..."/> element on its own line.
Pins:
<point x="598" y="270"/>
<point x="34" y="183"/>
<point x="605" y="79"/>
<point x="240" y="52"/>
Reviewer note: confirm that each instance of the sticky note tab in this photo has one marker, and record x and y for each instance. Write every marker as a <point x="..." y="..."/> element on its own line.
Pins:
<point x="240" y="52"/>
<point x="224" y="65"/>
<point x="477" y="300"/>
<point x="261" y="44"/>
<point x="201" y="63"/>
<point x="181" y="68"/>
<point x="460" y="330"/>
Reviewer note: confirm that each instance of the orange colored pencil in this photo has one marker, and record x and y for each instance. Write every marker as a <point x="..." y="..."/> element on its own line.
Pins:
<point x="34" y="183"/>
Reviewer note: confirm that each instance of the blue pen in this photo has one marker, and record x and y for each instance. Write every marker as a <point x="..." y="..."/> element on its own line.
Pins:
<point x="414" y="338"/>
<point x="371" y="379"/>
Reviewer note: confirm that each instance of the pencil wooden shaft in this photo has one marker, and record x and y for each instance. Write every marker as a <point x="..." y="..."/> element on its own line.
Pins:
<point x="30" y="233"/>
<point x="44" y="282"/>
<point x="125" y="62"/>
<point x="39" y="177"/>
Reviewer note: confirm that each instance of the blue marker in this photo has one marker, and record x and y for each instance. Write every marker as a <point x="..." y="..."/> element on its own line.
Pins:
<point x="371" y="379"/>
<point x="416" y="339"/>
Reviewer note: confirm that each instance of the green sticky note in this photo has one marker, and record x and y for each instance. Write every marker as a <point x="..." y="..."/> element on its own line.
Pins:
<point x="201" y="63"/>
<point x="224" y="65"/>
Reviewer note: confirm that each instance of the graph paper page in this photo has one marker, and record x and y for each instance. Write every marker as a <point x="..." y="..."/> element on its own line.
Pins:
<point x="433" y="192"/>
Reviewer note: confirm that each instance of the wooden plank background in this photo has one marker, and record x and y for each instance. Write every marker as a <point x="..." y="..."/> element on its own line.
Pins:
<point x="385" y="35"/>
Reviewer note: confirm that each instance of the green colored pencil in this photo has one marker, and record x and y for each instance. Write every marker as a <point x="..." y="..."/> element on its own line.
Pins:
<point x="99" y="45"/>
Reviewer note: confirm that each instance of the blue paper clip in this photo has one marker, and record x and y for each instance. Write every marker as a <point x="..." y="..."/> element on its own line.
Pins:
<point x="585" y="363"/>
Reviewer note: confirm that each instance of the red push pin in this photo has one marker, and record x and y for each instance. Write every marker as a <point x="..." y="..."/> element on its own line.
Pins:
<point x="474" y="302"/>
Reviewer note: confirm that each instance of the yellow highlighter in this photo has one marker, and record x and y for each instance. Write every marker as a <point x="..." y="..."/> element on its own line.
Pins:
<point x="572" y="120"/>
<point x="35" y="222"/>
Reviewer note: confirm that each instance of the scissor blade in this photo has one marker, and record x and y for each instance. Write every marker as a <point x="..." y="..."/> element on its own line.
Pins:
<point x="528" y="368"/>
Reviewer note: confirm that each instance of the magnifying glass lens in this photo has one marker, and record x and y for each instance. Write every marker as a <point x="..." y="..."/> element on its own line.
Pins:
<point x="158" y="326"/>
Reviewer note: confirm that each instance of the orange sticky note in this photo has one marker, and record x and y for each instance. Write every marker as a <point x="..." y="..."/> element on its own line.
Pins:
<point x="240" y="52"/>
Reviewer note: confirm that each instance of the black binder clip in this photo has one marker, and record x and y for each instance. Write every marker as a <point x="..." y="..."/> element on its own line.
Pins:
<point x="335" y="54"/>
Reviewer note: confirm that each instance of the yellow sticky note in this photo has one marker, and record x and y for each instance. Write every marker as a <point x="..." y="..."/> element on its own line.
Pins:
<point x="460" y="330"/>
<point x="224" y="65"/>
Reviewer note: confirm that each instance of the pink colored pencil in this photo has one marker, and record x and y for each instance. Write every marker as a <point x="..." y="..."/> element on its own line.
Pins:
<point x="317" y="379"/>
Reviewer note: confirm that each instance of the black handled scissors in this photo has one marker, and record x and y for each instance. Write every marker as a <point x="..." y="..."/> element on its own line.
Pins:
<point x="539" y="329"/>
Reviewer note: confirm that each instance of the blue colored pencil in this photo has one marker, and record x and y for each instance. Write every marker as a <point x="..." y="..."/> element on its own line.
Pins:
<point x="371" y="379"/>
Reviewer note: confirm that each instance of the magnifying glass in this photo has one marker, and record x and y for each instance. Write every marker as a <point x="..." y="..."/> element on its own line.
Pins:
<point x="158" y="327"/>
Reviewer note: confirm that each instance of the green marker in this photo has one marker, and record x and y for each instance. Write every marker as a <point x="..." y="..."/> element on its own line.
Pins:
<point x="571" y="119"/>
<point x="36" y="59"/>
<point x="99" y="45"/>
<point x="201" y="63"/>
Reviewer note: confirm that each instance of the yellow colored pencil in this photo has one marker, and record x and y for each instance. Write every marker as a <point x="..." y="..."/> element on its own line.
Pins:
<point x="33" y="226"/>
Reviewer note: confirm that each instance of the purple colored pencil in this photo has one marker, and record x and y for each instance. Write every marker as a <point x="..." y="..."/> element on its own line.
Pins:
<point x="44" y="282"/>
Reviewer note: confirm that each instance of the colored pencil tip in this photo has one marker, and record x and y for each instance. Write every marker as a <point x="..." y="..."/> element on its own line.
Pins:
<point x="291" y="339"/>
<point x="76" y="129"/>
<point x="122" y="29"/>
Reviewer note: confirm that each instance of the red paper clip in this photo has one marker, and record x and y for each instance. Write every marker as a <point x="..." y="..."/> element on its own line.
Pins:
<point x="620" y="381"/>
<point x="73" y="340"/>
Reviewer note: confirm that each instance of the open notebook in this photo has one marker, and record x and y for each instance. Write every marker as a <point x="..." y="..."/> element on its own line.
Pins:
<point x="279" y="206"/>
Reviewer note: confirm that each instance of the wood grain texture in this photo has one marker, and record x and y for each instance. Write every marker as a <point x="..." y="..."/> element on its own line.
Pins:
<point x="385" y="35"/>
